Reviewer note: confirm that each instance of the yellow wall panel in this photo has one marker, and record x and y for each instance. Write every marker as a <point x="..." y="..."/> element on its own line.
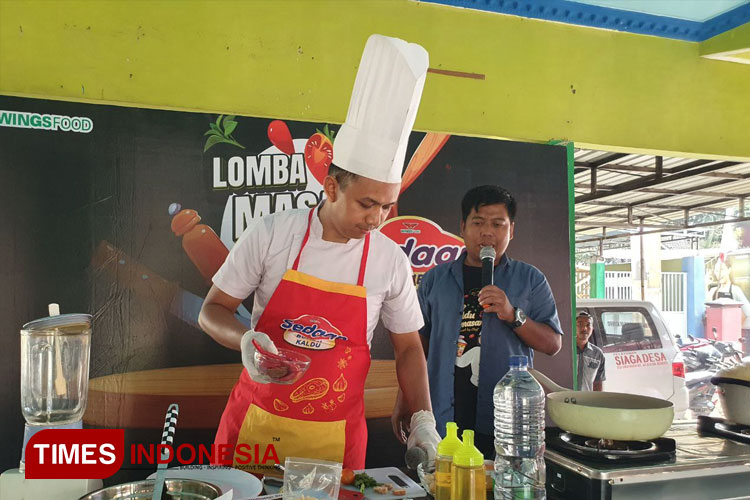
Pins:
<point x="297" y="59"/>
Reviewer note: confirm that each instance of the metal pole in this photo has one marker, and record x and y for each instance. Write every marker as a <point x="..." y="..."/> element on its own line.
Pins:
<point x="643" y="265"/>
<point x="593" y="181"/>
<point x="659" y="167"/>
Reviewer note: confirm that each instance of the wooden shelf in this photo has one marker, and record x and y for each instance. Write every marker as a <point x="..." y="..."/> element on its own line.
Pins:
<point x="139" y="399"/>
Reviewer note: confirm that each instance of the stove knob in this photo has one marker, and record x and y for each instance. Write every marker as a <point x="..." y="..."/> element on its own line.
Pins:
<point x="558" y="482"/>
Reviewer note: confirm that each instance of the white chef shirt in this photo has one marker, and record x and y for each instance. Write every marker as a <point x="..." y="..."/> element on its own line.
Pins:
<point x="264" y="252"/>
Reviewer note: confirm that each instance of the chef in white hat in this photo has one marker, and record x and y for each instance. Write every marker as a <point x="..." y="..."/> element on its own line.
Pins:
<point x="323" y="278"/>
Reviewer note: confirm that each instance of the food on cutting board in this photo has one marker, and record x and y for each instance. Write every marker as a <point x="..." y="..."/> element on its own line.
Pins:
<point x="386" y="488"/>
<point x="383" y="489"/>
<point x="347" y="476"/>
<point x="363" y="480"/>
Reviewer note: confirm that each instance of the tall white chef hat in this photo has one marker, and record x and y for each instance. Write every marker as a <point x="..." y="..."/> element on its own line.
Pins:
<point x="372" y="142"/>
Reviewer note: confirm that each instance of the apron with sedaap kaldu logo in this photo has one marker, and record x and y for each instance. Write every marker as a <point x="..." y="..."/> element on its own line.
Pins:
<point x="322" y="415"/>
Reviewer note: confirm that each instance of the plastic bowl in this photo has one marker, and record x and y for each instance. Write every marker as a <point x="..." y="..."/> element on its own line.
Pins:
<point x="286" y="368"/>
<point x="426" y="474"/>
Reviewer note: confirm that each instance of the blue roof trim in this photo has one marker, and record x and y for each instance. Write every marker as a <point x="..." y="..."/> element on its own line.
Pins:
<point x="594" y="16"/>
<point x="725" y="22"/>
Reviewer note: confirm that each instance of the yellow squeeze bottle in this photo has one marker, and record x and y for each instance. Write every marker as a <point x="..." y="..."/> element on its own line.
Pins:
<point x="444" y="461"/>
<point x="468" y="478"/>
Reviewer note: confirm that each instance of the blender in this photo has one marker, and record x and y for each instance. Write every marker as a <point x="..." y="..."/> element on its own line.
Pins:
<point x="54" y="388"/>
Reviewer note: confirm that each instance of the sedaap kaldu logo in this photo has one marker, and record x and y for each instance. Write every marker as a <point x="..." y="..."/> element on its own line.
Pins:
<point x="424" y="242"/>
<point x="311" y="332"/>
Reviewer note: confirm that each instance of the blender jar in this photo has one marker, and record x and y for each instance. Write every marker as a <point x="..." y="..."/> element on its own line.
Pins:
<point x="55" y="369"/>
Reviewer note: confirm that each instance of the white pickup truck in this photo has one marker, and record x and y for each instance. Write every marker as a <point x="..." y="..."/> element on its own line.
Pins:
<point x="641" y="355"/>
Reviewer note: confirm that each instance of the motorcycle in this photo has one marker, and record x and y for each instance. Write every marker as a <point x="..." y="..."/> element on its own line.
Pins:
<point x="703" y="358"/>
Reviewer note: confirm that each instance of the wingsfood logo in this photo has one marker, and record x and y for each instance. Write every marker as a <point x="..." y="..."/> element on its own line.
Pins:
<point x="99" y="453"/>
<point x="21" y="119"/>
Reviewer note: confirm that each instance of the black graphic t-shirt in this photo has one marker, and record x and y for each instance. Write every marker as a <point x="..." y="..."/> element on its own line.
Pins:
<point x="466" y="379"/>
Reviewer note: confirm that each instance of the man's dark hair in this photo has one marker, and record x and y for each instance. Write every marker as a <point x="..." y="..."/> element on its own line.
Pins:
<point x="487" y="195"/>
<point x="343" y="177"/>
<point x="584" y="314"/>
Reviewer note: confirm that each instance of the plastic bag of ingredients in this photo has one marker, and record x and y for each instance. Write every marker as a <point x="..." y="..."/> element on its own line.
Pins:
<point x="307" y="478"/>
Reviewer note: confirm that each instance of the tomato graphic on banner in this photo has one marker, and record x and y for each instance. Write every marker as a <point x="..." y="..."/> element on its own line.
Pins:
<point x="424" y="242"/>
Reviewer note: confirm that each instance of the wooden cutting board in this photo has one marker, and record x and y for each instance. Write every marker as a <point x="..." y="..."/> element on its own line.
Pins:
<point x="137" y="399"/>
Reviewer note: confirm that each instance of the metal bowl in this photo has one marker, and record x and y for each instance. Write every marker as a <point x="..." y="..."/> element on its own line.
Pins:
<point x="174" y="489"/>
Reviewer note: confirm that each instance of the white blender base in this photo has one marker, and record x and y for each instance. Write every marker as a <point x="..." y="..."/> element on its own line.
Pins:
<point x="15" y="486"/>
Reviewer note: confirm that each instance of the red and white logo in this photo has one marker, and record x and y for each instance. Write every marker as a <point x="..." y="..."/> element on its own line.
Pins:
<point x="311" y="332"/>
<point x="423" y="241"/>
<point x="74" y="453"/>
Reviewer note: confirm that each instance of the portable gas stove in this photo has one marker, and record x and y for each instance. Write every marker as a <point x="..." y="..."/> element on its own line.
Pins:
<point x="682" y="464"/>
<point x="721" y="428"/>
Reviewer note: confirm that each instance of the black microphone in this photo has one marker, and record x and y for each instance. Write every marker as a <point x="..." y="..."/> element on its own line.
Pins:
<point x="487" y="255"/>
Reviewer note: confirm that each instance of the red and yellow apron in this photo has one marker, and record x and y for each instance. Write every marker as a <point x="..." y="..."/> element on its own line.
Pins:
<point x="322" y="415"/>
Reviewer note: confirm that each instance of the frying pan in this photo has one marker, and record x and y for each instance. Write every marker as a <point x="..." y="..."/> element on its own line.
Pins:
<point x="607" y="415"/>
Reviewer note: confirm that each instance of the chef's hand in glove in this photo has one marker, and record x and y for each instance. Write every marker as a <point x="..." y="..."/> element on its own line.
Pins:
<point x="248" y="352"/>
<point x="423" y="433"/>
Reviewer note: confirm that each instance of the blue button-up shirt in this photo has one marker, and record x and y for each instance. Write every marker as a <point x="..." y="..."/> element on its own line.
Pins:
<point x="441" y="297"/>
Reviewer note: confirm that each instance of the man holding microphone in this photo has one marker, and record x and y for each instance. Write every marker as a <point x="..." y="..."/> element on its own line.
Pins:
<point x="506" y="308"/>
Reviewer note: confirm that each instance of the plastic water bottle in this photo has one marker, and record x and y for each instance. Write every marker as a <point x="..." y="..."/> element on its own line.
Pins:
<point x="519" y="434"/>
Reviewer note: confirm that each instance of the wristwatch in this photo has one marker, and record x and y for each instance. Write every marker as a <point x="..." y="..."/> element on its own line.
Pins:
<point x="519" y="318"/>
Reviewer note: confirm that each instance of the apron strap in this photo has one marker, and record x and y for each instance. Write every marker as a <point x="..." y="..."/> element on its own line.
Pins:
<point x="304" y="240"/>
<point x="362" y="263"/>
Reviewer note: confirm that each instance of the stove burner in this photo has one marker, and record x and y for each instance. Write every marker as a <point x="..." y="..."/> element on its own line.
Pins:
<point x="723" y="428"/>
<point x="613" y="452"/>
<point x="608" y="446"/>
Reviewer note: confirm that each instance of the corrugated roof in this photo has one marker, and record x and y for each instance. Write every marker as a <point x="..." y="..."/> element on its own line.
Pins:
<point x="616" y="192"/>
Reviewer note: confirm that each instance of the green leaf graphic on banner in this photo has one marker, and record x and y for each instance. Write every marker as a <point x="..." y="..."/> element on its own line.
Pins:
<point x="214" y="139"/>
<point x="218" y="135"/>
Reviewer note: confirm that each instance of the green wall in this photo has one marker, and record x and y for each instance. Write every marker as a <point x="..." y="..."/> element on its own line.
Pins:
<point x="297" y="59"/>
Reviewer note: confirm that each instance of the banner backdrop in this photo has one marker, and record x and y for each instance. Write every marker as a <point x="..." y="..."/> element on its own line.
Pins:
<point x="126" y="213"/>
